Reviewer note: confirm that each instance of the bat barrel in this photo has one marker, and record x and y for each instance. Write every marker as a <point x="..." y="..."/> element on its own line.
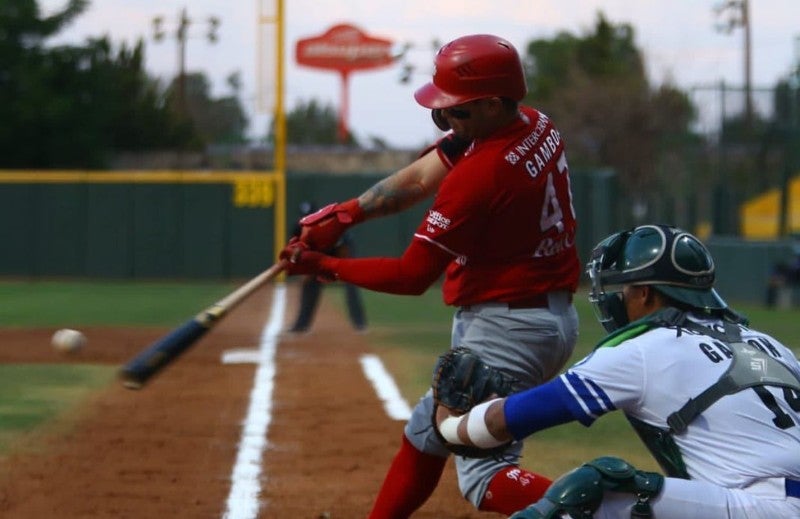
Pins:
<point x="138" y="370"/>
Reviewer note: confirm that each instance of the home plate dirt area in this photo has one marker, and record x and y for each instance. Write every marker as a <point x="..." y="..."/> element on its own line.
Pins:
<point x="169" y="449"/>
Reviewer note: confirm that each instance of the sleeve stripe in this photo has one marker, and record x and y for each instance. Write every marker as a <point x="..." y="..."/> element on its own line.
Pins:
<point x="578" y="399"/>
<point x="592" y="400"/>
<point x="598" y="391"/>
<point x="436" y="243"/>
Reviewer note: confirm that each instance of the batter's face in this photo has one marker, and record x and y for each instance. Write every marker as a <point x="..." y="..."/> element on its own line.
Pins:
<point x="475" y="119"/>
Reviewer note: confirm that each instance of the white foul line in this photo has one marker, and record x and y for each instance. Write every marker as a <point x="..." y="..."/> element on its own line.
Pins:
<point x="243" y="501"/>
<point x="241" y="356"/>
<point x="393" y="402"/>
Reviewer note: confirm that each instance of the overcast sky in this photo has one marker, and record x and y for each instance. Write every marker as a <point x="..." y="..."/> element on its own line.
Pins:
<point x="678" y="38"/>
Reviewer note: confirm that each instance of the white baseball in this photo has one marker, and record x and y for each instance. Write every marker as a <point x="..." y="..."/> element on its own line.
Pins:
<point x="68" y="340"/>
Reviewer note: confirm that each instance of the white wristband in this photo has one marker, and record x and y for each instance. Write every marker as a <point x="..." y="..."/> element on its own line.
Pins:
<point x="477" y="431"/>
<point x="449" y="429"/>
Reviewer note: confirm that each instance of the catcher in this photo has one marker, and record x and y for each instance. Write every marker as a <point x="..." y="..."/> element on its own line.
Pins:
<point x="716" y="402"/>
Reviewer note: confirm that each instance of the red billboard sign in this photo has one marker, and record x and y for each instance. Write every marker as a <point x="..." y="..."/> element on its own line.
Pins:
<point x="344" y="48"/>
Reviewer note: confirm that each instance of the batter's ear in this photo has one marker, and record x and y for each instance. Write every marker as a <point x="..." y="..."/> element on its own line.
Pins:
<point x="495" y="103"/>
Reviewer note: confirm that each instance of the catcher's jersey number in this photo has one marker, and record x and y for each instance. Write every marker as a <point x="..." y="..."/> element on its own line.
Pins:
<point x="782" y="420"/>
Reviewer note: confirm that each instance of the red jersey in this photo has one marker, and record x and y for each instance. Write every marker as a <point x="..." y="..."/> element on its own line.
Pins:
<point x="504" y="211"/>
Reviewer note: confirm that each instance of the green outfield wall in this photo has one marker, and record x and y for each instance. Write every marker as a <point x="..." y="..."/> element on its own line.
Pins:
<point x="194" y="224"/>
<point x="166" y="224"/>
<point x="219" y="225"/>
<point x="135" y="225"/>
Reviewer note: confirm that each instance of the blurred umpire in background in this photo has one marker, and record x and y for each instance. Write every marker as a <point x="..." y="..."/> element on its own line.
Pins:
<point x="312" y="287"/>
<point x="502" y="231"/>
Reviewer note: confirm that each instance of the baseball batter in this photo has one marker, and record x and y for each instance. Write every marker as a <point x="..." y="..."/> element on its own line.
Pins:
<point x="502" y="231"/>
<point x="716" y="402"/>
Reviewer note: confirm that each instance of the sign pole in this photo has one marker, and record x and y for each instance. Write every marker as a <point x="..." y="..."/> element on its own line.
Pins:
<point x="344" y="111"/>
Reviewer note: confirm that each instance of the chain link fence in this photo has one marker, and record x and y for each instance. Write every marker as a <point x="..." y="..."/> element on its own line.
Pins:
<point x="746" y="146"/>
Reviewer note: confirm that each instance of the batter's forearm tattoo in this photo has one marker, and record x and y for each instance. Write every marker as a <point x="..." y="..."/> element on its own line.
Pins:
<point x="384" y="198"/>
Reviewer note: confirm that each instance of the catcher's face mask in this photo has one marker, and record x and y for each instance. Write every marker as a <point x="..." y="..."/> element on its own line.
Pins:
<point x="671" y="260"/>
<point x="608" y="306"/>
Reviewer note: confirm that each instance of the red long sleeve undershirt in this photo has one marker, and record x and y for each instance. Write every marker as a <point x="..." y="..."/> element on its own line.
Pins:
<point x="411" y="274"/>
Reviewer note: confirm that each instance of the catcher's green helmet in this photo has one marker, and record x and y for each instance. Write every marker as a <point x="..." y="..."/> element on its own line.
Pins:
<point x="675" y="262"/>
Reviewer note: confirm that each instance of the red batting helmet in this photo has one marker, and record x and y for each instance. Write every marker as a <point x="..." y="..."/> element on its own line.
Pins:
<point x="474" y="67"/>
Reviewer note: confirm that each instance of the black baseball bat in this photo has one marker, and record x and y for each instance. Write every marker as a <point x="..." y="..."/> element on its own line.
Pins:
<point x="150" y="361"/>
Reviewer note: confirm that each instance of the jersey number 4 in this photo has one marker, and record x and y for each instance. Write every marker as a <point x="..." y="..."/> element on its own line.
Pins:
<point x="782" y="420"/>
<point x="552" y="216"/>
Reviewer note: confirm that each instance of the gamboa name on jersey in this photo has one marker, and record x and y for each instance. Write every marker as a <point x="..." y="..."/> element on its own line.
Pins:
<point x="542" y="154"/>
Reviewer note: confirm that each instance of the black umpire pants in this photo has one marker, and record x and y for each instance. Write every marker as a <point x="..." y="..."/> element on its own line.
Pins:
<point x="309" y="300"/>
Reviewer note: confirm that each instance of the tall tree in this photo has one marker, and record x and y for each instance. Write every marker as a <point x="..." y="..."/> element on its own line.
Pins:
<point x="311" y="122"/>
<point x="596" y="88"/>
<point x="76" y="105"/>
<point x="216" y="121"/>
<point x="22" y="93"/>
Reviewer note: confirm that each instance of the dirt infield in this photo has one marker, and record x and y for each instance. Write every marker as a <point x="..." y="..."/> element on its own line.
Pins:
<point x="169" y="449"/>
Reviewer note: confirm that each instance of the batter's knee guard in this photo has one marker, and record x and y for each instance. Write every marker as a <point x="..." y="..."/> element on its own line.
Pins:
<point x="579" y="493"/>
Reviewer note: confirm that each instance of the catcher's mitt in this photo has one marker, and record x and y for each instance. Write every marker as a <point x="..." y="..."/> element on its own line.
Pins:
<point x="461" y="380"/>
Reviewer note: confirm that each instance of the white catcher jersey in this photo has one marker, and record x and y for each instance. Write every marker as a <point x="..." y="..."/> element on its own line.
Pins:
<point x="742" y="438"/>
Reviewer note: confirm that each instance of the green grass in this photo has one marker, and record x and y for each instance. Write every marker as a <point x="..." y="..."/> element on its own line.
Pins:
<point x="49" y="303"/>
<point x="32" y="395"/>
<point x="408" y="332"/>
<point x="34" y="398"/>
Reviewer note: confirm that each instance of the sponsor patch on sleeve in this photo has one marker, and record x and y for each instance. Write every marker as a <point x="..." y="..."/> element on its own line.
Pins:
<point x="436" y="220"/>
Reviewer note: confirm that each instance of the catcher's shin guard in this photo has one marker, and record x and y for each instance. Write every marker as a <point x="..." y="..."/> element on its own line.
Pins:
<point x="579" y="493"/>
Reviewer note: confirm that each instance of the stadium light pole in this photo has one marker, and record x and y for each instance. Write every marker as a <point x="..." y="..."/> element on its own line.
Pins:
<point x="181" y="35"/>
<point x="792" y="141"/>
<point x="737" y="14"/>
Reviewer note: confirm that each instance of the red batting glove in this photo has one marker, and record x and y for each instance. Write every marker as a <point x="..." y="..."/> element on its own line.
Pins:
<point x="321" y="230"/>
<point x="292" y="250"/>
<point x="301" y="261"/>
